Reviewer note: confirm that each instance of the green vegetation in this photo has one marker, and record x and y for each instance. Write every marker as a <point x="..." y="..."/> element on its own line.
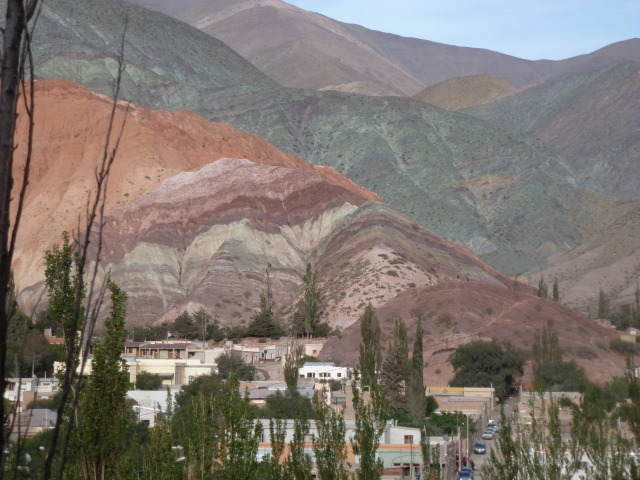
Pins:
<point x="485" y="364"/>
<point x="395" y="368"/>
<point x="229" y="365"/>
<point x="370" y="348"/>
<point x="148" y="381"/>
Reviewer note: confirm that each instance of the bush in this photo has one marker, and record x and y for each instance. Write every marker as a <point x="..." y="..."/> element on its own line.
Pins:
<point x="148" y="381"/>
<point x="625" y="348"/>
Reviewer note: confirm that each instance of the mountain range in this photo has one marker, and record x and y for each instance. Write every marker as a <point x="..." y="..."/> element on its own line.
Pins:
<point x="540" y="178"/>
<point x="303" y="49"/>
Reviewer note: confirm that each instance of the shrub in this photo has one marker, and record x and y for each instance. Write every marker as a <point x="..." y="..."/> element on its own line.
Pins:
<point x="148" y="381"/>
<point x="625" y="348"/>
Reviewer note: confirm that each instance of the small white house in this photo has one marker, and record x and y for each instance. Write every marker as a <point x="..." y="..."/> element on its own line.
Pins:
<point x="324" y="371"/>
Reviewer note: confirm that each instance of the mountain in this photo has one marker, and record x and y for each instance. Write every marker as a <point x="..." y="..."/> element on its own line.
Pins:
<point x="464" y="92"/>
<point x="70" y="127"/>
<point x="302" y="49"/>
<point x="590" y="118"/>
<point x="504" y="195"/>
<point x="455" y="313"/>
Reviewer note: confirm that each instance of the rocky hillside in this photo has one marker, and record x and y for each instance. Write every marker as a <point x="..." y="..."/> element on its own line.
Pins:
<point x="302" y="49"/>
<point x="70" y="127"/>
<point x="464" y="92"/>
<point x="455" y="313"/>
<point x="590" y="118"/>
<point x="503" y="195"/>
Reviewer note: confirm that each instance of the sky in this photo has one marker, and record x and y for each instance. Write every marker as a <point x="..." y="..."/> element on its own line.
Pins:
<point x="531" y="29"/>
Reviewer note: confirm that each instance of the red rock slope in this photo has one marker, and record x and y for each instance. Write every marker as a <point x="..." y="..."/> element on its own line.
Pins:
<point x="70" y="127"/>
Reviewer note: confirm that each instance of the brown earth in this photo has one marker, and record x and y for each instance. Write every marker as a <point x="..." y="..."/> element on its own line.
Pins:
<point x="458" y="312"/>
<point x="464" y="92"/>
<point x="70" y="127"/>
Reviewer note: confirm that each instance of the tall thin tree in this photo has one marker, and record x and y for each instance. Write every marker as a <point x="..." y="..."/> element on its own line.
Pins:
<point x="370" y="348"/>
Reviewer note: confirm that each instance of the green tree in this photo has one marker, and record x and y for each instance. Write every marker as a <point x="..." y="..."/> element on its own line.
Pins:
<point x="329" y="445"/>
<point x="603" y="304"/>
<point x="483" y="364"/>
<point x="543" y="290"/>
<point x="105" y="411"/>
<point x="416" y="399"/>
<point x="291" y="366"/>
<point x="228" y="364"/>
<point x="277" y="434"/>
<point x="371" y="419"/>
<point x="184" y="326"/>
<point x="556" y="290"/>
<point x="160" y="460"/>
<point x="238" y="435"/>
<point x="394" y="375"/>
<point x="308" y="311"/>
<point x="148" y="381"/>
<point x="300" y="463"/>
<point x="370" y="349"/>
<point x="264" y="323"/>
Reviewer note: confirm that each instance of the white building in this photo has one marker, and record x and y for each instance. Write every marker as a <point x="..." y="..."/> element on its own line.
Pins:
<point x="324" y="371"/>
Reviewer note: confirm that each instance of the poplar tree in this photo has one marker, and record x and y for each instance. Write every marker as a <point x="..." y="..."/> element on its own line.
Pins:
<point x="370" y="349"/>
<point x="556" y="290"/>
<point x="394" y="375"/>
<point x="300" y="463"/>
<point x="105" y="411"/>
<point x="291" y="366"/>
<point x="416" y="400"/>
<point x="371" y="418"/>
<point x="543" y="290"/>
<point x="329" y="445"/>
<point x="306" y="316"/>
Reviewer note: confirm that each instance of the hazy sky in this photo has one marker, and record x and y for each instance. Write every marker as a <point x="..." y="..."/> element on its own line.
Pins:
<point x="531" y="29"/>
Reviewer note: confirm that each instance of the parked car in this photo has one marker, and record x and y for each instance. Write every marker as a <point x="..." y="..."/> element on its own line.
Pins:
<point x="480" y="447"/>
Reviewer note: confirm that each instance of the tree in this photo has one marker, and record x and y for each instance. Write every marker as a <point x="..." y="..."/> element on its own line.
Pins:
<point x="228" y="365"/>
<point x="542" y="288"/>
<point x="263" y="323"/>
<point x="556" y="290"/>
<point x="370" y="349"/>
<point x="416" y="399"/>
<point x="277" y="433"/>
<point x="308" y="311"/>
<point x="291" y="366"/>
<point x="300" y="463"/>
<point x="184" y="326"/>
<point x="329" y="446"/>
<point x="16" y="53"/>
<point x="105" y="411"/>
<point x="160" y="459"/>
<point x="483" y="364"/>
<point x="371" y="418"/>
<point x="394" y="375"/>
<point x="603" y="304"/>
<point x="148" y="381"/>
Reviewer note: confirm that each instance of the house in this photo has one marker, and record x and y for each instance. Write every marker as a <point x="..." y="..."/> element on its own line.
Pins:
<point x="324" y="371"/>
<point x="26" y="390"/>
<point x="31" y="422"/>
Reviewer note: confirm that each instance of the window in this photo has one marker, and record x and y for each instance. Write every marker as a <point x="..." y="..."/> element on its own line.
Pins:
<point x="191" y="378"/>
<point x="338" y="374"/>
<point x="408" y="439"/>
<point x="315" y="351"/>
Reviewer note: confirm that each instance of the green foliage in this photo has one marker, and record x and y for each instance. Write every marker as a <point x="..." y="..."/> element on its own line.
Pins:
<point x="105" y="411"/>
<point x="291" y="366"/>
<point x="603" y="305"/>
<point x="66" y="292"/>
<point x="483" y="364"/>
<point x="148" y="381"/>
<point x="299" y="463"/>
<point x="370" y="422"/>
<point x="184" y="326"/>
<point x="622" y="347"/>
<point x="543" y="289"/>
<point x="370" y="348"/>
<point x="159" y="458"/>
<point x="416" y="399"/>
<point x="277" y="432"/>
<point x="151" y="332"/>
<point x="562" y="377"/>
<point x="305" y="319"/>
<point x="263" y="323"/>
<point x="450" y="423"/>
<point x="395" y="368"/>
<point x="556" y="290"/>
<point x="329" y="446"/>
<point x="228" y="365"/>
<point x="289" y="404"/>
